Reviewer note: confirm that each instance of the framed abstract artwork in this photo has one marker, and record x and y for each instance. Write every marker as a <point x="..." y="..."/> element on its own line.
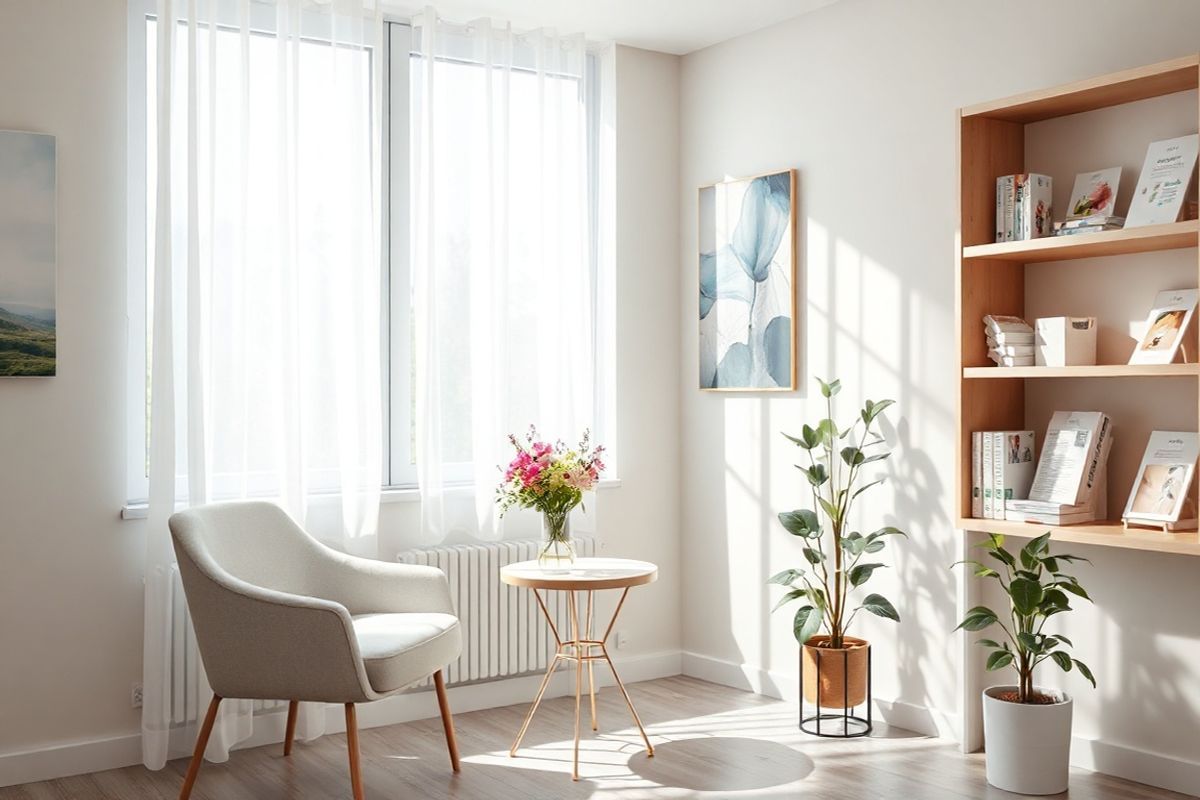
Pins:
<point x="747" y="284"/>
<point x="27" y="254"/>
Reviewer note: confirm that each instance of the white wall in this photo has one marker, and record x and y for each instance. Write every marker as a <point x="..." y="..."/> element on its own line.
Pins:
<point x="70" y="569"/>
<point x="860" y="98"/>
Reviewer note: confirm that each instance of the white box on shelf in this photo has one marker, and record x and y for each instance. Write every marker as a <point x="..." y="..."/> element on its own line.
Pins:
<point x="1064" y="341"/>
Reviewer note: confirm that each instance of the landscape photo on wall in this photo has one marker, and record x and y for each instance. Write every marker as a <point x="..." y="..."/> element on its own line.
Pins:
<point x="27" y="254"/>
<point x="747" y="266"/>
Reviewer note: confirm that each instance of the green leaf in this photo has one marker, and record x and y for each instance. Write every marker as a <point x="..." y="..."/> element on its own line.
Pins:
<point x="1029" y="642"/>
<point x="1063" y="639"/>
<point x="999" y="660"/>
<point x="995" y="541"/>
<point x="880" y="606"/>
<point x="977" y="619"/>
<point x="789" y="597"/>
<point x="853" y="456"/>
<point x="813" y="555"/>
<point x="1087" y="673"/>
<point x="863" y="488"/>
<point x="876" y="457"/>
<point x="1062" y="659"/>
<point x="817" y="474"/>
<point x="831" y="388"/>
<point x="800" y="523"/>
<point x="888" y="530"/>
<point x="806" y="623"/>
<point x="861" y="573"/>
<point x="854" y="543"/>
<point x="831" y="510"/>
<point x="989" y="643"/>
<point x="1031" y="553"/>
<point x="1074" y="588"/>
<point x="1004" y="557"/>
<point x="873" y="547"/>
<point x="1054" y="598"/>
<point x="786" y="578"/>
<point x="1026" y="595"/>
<point x="871" y="410"/>
<point x="828" y="431"/>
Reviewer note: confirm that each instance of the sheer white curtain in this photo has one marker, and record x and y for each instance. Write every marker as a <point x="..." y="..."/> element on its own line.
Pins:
<point x="503" y="283"/>
<point x="263" y="235"/>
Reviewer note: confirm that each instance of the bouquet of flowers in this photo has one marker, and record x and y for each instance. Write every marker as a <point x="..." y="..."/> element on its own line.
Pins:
<point x="550" y="479"/>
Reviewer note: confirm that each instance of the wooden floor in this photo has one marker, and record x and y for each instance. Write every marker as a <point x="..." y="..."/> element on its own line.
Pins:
<point x="710" y="742"/>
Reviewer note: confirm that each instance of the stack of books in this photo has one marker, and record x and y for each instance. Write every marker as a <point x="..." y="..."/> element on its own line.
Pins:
<point x="1069" y="486"/>
<point x="1023" y="208"/>
<point x="1001" y="470"/>
<point x="1009" y="340"/>
<point x="1103" y="222"/>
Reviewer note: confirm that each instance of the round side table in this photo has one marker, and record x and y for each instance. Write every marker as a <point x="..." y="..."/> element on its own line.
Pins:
<point x="588" y="576"/>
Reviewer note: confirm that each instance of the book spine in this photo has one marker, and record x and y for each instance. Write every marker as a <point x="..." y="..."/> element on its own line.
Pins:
<point x="976" y="475"/>
<point x="986" y="464"/>
<point x="1022" y="190"/>
<point x="1097" y="461"/>
<point x="1000" y="209"/>
<point x="1009" y="188"/>
<point x="997" y="475"/>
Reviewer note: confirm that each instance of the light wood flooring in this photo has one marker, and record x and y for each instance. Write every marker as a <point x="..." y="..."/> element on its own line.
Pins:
<point x="710" y="742"/>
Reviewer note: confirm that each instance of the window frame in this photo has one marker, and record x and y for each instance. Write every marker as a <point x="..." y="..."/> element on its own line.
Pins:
<point x="399" y="467"/>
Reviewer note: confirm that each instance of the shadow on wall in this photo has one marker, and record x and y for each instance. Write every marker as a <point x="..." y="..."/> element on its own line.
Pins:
<point x="856" y="320"/>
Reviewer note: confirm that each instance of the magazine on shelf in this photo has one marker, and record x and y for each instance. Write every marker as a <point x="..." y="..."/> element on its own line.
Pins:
<point x="995" y="340"/>
<point x="1162" y="488"/>
<point x="1166" y="324"/>
<point x="1074" y="450"/>
<point x="1058" y="514"/>
<point x="1094" y="194"/>
<point x="1163" y="186"/>
<point x="1012" y="467"/>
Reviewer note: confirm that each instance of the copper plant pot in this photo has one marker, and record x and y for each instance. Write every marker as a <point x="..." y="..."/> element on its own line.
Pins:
<point x="843" y="672"/>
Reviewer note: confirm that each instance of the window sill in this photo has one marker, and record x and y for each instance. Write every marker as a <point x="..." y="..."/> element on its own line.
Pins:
<point x="391" y="494"/>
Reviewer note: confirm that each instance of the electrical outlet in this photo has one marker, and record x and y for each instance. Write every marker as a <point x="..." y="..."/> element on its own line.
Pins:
<point x="135" y="696"/>
<point x="622" y="640"/>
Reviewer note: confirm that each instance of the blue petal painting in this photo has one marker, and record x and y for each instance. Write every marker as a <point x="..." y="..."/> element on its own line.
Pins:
<point x="747" y="283"/>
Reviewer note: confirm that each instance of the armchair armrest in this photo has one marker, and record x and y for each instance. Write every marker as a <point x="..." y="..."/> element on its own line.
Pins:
<point x="366" y="586"/>
<point x="258" y="643"/>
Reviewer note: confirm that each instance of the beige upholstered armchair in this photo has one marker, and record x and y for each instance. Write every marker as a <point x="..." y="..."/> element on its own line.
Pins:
<point x="280" y="616"/>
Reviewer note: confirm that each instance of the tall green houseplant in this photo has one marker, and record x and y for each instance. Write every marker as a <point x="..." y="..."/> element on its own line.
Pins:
<point x="834" y="476"/>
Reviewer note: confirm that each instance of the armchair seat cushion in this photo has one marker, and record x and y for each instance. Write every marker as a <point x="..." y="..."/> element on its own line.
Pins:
<point x="401" y="649"/>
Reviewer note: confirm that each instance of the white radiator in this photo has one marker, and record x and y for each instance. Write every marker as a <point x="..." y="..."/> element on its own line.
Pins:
<point x="504" y="632"/>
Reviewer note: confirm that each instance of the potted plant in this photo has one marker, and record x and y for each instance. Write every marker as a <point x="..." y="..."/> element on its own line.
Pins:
<point x="1026" y="727"/>
<point x="836" y="458"/>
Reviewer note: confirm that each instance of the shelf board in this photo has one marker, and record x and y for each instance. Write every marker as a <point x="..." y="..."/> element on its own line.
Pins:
<point x="1141" y="83"/>
<point x="1144" y="239"/>
<point x="1102" y="534"/>
<point x="1091" y="371"/>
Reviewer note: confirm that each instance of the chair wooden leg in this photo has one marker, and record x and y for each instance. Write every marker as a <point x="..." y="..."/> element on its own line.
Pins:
<point x="293" y="706"/>
<point x="352" y="747"/>
<point x="189" y="780"/>
<point x="447" y="719"/>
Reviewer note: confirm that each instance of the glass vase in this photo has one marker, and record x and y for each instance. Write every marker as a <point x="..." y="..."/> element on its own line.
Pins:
<point x="557" y="552"/>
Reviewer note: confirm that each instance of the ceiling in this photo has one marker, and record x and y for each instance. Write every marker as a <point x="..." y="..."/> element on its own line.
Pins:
<point x="669" y="26"/>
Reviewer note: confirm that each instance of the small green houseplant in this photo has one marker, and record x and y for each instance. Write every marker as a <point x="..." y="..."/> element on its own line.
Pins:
<point x="1027" y="728"/>
<point x="834" y="476"/>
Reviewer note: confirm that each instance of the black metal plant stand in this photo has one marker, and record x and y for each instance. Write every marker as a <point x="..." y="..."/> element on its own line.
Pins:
<point x="852" y="726"/>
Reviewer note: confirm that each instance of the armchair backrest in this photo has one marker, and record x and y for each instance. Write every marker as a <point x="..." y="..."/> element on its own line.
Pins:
<point x="256" y="542"/>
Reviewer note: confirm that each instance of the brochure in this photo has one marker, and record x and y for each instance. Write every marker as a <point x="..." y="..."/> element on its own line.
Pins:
<point x="1163" y="186"/>
<point x="1164" y="479"/>
<point x="1165" y="326"/>
<point x="1094" y="194"/>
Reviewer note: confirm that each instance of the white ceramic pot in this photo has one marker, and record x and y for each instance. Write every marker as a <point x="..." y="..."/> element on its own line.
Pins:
<point x="1028" y="746"/>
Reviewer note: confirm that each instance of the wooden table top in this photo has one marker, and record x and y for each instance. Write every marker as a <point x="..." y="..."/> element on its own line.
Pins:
<point x="588" y="574"/>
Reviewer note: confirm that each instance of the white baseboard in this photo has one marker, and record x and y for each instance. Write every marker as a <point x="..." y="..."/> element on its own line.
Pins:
<point x="63" y="759"/>
<point x="785" y="686"/>
<point x="1165" y="772"/>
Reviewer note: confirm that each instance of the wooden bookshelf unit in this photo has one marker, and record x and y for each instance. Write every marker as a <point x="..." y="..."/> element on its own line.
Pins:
<point x="1015" y="278"/>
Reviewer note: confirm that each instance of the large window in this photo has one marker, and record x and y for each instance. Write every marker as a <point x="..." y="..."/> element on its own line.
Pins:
<point x="402" y="73"/>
